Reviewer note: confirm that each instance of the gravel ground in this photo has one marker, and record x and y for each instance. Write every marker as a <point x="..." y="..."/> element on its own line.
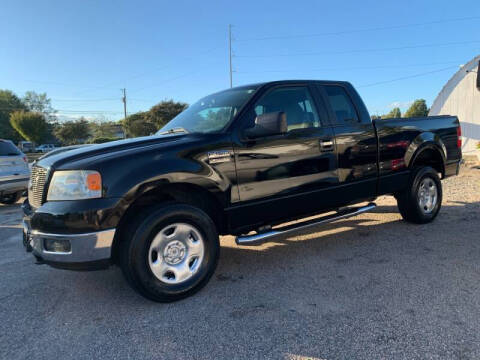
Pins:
<point x="368" y="287"/>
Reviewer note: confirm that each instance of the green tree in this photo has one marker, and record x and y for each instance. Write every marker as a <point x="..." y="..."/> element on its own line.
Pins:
<point x="9" y="102"/>
<point x="417" y="109"/>
<point x="73" y="132"/>
<point x="39" y="103"/>
<point x="103" y="129"/>
<point x="31" y="125"/>
<point x="394" y="113"/>
<point x="138" y="125"/>
<point x="164" y="111"/>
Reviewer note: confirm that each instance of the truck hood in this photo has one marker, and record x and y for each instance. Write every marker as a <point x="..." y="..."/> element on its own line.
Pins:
<point x="55" y="161"/>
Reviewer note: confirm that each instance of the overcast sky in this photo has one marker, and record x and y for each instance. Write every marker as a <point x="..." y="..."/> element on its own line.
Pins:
<point x="83" y="52"/>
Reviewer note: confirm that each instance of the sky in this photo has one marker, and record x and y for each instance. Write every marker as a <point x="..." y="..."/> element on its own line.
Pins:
<point x="82" y="53"/>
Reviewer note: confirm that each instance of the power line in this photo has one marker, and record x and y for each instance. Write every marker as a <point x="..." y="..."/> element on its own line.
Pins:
<point x="364" y="50"/>
<point x="393" y="27"/>
<point x="375" y="67"/>
<point x="168" y="80"/>
<point x="407" y="77"/>
<point x="83" y="100"/>
<point x="139" y="75"/>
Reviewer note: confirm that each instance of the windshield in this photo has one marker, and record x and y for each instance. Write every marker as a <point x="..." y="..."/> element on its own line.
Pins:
<point x="210" y="114"/>
<point x="8" y="149"/>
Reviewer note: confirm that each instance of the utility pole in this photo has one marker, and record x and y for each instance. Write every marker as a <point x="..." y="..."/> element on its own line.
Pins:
<point x="230" y="51"/>
<point x="124" y="100"/>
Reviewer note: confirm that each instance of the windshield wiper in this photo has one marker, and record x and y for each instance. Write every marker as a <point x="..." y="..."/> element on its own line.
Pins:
<point x="174" y="131"/>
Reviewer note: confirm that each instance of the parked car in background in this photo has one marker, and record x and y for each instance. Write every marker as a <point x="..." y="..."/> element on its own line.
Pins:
<point x="14" y="172"/>
<point x="45" y="148"/>
<point x="26" y="146"/>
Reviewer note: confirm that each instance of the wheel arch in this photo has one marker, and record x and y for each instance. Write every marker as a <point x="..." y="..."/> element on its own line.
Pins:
<point x="429" y="150"/>
<point x="182" y="192"/>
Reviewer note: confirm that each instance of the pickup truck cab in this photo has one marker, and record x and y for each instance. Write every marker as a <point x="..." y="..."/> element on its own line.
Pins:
<point x="239" y="161"/>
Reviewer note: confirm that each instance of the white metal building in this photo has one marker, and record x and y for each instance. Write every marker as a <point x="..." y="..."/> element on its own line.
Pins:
<point x="461" y="97"/>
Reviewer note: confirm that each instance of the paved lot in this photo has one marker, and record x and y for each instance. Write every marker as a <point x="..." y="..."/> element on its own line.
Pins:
<point x="368" y="287"/>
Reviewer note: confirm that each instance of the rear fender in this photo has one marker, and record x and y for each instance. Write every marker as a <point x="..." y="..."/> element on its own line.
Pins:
<point x="422" y="142"/>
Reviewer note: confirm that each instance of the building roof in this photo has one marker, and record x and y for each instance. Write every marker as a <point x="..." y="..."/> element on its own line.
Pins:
<point x="442" y="97"/>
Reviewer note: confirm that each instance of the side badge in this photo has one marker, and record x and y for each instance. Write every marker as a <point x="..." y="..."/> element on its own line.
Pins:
<point x="219" y="156"/>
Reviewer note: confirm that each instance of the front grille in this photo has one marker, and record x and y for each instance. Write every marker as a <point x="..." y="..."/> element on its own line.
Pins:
<point x="38" y="177"/>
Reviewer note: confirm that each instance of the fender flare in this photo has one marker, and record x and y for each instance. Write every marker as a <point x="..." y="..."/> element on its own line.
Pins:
<point x="425" y="141"/>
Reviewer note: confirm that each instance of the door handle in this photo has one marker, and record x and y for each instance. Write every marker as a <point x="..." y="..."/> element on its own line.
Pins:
<point x="326" y="145"/>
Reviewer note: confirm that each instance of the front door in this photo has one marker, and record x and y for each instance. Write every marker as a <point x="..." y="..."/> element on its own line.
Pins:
<point x="273" y="173"/>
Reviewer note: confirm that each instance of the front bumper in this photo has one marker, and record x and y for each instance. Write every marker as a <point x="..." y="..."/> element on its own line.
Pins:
<point x="88" y="251"/>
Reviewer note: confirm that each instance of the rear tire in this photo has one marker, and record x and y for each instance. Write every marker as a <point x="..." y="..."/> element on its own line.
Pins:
<point x="421" y="201"/>
<point x="169" y="251"/>
<point x="11" y="198"/>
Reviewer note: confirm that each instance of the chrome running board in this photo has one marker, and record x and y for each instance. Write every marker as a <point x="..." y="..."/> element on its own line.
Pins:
<point x="258" y="238"/>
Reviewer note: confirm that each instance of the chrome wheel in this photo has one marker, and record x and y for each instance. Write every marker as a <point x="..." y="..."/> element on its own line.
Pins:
<point x="427" y="195"/>
<point x="176" y="253"/>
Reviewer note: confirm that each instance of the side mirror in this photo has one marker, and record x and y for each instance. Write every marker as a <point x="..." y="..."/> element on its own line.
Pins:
<point x="269" y="124"/>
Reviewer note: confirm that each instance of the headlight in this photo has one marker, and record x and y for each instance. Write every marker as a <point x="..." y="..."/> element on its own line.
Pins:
<point x="75" y="185"/>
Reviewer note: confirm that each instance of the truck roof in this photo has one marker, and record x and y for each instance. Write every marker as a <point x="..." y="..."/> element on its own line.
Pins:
<point x="281" y="82"/>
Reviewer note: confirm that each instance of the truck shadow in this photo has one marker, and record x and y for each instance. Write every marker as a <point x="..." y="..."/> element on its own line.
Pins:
<point x="330" y="252"/>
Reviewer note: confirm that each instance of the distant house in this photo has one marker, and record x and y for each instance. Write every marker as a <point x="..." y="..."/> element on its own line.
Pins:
<point x="461" y="97"/>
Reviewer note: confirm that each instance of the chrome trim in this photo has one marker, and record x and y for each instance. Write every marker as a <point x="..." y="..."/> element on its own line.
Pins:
<point x="84" y="247"/>
<point x="257" y="238"/>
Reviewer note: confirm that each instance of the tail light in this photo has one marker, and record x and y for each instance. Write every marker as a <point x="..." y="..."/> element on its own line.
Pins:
<point x="459" y="137"/>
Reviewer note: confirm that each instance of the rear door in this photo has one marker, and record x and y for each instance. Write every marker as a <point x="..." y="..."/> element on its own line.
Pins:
<point x="274" y="173"/>
<point x="355" y="143"/>
<point x="12" y="163"/>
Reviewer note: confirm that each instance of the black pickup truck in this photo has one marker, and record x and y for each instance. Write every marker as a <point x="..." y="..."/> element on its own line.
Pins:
<point x="242" y="162"/>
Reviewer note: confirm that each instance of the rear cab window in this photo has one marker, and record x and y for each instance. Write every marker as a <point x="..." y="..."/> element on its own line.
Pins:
<point x="7" y="148"/>
<point x="342" y="105"/>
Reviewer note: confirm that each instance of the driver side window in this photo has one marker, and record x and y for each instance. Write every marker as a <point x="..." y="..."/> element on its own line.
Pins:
<point x="296" y="102"/>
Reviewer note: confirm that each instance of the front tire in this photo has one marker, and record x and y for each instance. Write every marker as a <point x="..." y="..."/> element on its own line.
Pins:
<point x="169" y="251"/>
<point x="421" y="201"/>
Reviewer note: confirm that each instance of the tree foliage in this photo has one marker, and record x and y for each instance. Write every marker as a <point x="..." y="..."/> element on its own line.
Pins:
<point x="148" y="122"/>
<point x="39" y="103"/>
<point x="138" y="125"/>
<point x="73" y="132"/>
<point x="9" y="103"/>
<point x="164" y="111"/>
<point x="103" y="129"/>
<point x="394" y="113"/>
<point x="31" y="125"/>
<point x="417" y="109"/>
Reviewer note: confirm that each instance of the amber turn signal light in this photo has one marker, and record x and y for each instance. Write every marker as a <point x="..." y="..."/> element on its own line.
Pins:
<point x="94" y="181"/>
